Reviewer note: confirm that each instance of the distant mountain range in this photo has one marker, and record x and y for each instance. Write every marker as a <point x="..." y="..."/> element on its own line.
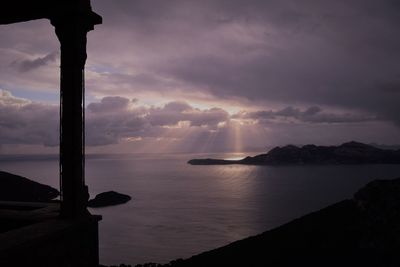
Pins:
<point x="347" y="153"/>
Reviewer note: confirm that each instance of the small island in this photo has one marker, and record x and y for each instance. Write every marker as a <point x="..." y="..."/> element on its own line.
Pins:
<point x="109" y="198"/>
<point x="347" y="153"/>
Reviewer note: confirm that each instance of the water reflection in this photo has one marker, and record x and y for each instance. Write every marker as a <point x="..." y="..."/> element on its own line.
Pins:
<point x="178" y="210"/>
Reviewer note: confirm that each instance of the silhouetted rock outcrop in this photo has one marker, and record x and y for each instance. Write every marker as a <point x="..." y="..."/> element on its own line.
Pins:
<point x="347" y="153"/>
<point x="18" y="188"/>
<point x="109" y="198"/>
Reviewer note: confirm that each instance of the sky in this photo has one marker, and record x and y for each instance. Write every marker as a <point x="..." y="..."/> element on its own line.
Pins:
<point x="211" y="76"/>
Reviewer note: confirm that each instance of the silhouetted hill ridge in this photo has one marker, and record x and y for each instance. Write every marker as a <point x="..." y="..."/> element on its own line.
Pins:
<point x="346" y="153"/>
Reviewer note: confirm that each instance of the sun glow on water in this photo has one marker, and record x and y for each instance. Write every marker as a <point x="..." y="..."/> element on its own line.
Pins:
<point x="235" y="158"/>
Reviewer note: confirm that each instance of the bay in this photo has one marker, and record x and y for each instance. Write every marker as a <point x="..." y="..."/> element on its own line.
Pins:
<point x="178" y="210"/>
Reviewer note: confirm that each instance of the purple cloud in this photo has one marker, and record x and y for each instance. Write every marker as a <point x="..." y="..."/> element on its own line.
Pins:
<point x="312" y="114"/>
<point x="30" y="64"/>
<point x="272" y="59"/>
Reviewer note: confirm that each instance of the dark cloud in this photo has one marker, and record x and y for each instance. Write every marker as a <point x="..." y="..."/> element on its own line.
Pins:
<point x="107" y="122"/>
<point x="31" y="64"/>
<point x="312" y="114"/>
<point x="392" y="87"/>
<point x="177" y="106"/>
<point x="308" y="52"/>
<point x="109" y="127"/>
<point x="115" y="118"/>
<point x="175" y="112"/>
<point x="340" y="58"/>
<point x="106" y="129"/>
<point x="25" y="122"/>
<point x="109" y="104"/>
<point x="179" y="126"/>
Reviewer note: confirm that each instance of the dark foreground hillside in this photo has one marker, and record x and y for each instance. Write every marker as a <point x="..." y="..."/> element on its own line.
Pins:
<point x="17" y="188"/>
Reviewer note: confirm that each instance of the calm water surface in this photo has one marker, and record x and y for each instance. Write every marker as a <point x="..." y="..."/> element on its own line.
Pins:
<point x="178" y="210"/>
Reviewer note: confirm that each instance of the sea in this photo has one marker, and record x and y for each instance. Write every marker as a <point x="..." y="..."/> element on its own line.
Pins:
<point x="179" y="210"/>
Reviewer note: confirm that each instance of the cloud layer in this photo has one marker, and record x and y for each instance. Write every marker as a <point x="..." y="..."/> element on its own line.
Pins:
<point x="31" y="64"/>
<point x="116" y="120"/>
<point x="25" y="122"/>
<point x="284" y="70"/>
<point x="312" y="114"/>
<point x="340" y="54"/>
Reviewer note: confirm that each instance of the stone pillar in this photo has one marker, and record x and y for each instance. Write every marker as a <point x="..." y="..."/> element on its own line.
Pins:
<point x="71" y="33"/>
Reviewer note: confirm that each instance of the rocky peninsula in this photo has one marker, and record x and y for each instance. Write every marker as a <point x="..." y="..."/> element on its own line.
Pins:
<point x="347" y="153"/>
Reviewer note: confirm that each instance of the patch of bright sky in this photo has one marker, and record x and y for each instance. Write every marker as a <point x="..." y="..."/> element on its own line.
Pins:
<point x="36" y="96"/>
<point x="89" y="98"/>
<point x="100" y="68"/>
<point x="231" y="109"/>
